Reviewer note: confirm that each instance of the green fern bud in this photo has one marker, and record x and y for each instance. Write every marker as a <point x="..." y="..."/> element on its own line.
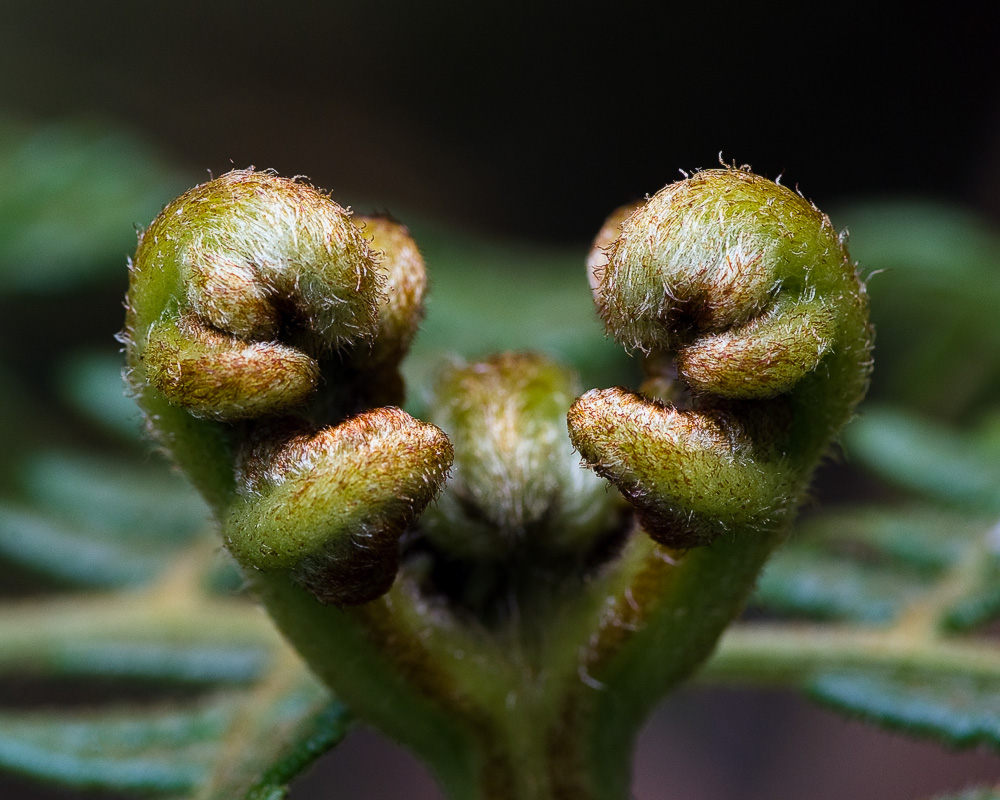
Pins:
<point x="253" y="257"/>
<point x="254" y="298"/>
<point x="517" y="487"/>
<point x="331" y="506"/>
<point x="747" y="289"/>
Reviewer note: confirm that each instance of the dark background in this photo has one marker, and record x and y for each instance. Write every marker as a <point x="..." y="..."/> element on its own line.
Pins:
<point x="525" y="119"/>
<point x="528" y="121"/>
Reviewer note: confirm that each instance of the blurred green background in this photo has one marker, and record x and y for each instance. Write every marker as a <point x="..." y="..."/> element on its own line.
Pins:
<point x="504" y="134"/>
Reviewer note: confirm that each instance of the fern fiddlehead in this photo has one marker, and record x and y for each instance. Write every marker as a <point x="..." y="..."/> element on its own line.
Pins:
<point x="534" y="616"/>
<point x="242" y="290"/>
<point x="750" y="292"/>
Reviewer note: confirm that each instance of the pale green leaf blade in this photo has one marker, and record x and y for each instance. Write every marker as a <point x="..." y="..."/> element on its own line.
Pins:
<point x="926" y="540"/>
<point x="980" y="602"/>
<point x="92" y="382"/>
<point x="112" y="498"/>
<point x="285" y="723"/>
<point x="65" y="189"/>
<point x="230" y="746"/>
<point x="960" y="710"/>
<point x="933" y="302"/>
<point x="248" y="743"/>
<point x="74" y="555"/>
<point x="186" y="662"/>
<point x="820" y="586"/>
<point x="316" y="735"/>
<point x="926" y="458"/>
<point x="136" y="636"/>
<point x="98" y="522"/>
<point x="869" y="564"/>
<point x="150" y="750"/>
